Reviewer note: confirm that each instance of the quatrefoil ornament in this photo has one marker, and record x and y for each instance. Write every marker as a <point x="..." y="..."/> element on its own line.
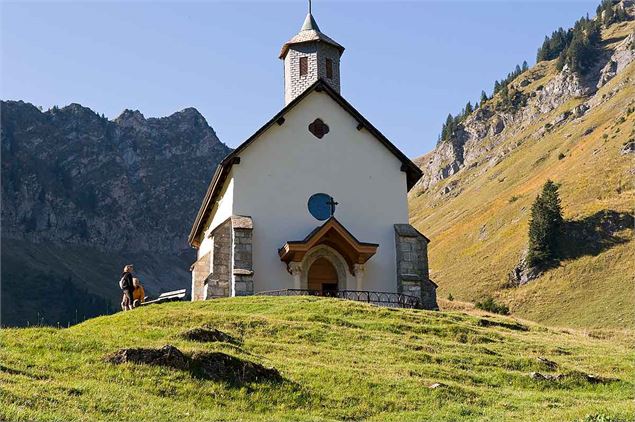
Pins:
<point x="318" y="128"/>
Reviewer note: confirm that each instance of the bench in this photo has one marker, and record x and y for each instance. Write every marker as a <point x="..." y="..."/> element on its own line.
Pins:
<point x="167" y="297"/>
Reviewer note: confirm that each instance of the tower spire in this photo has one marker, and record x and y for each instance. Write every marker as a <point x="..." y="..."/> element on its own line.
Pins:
<point x="308" y="56"/>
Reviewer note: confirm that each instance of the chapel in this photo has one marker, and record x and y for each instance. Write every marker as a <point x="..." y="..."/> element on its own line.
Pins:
<point x="315" y="201"/>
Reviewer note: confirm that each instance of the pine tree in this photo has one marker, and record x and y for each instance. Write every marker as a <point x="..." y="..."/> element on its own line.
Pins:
<point x="484" y="97"/>
<point x="525" y="66"/>
<point x="468" y="109"/>
<point x="545" y="226"/>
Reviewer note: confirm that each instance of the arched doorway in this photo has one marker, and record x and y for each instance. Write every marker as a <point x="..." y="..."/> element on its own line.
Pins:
<point x="322" y="277"/>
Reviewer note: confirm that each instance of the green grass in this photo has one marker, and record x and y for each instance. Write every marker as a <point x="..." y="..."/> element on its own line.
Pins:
<point x="340" y="360"/>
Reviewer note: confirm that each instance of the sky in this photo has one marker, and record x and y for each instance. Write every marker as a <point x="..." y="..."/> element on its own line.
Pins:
<point x="407" y="64"/>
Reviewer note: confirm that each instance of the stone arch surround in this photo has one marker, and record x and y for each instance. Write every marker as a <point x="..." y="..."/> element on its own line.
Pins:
<point x="334" y="257"/>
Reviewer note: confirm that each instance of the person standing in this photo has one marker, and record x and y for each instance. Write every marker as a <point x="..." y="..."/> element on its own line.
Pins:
<point x="138" y="294"/>
<point x="127" y="286"/>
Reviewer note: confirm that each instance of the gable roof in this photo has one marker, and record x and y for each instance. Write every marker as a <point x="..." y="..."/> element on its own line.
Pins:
<point x="413" y="173"/>
<point x="332" y="233"/>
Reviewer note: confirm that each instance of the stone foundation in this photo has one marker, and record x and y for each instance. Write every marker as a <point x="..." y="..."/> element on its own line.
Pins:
<point x="412" y="265"/>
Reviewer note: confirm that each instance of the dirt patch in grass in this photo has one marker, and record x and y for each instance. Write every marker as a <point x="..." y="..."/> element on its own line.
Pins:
<point x="218" y="366"/>
<point x="168" y="356"/>
<point x="509" y="325"/>
<point x="577" y="377"/>
<point x="215" y="366"/>
<point x="208" y="335"/>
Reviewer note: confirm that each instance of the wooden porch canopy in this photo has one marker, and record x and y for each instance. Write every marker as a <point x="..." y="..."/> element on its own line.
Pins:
<point x="332" y="233"/>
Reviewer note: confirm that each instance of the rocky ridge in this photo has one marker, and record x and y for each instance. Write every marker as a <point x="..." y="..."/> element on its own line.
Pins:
<point x="82" y="195"/>
<point x="476" y="142"/>
<point x="133" y="183"/>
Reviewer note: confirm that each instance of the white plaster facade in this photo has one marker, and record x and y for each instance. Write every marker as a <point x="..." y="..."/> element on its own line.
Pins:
<point x="221" y="211"/>
<point x="278" y="173"/>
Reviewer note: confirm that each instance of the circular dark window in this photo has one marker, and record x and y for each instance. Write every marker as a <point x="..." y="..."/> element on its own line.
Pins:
<point x="321" y="206"/>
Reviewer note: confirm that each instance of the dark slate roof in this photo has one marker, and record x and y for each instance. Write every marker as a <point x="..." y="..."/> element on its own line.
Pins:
<point x="310" y="32"/>
<point x="309" y="23"/>
<point x="413" y="173"/>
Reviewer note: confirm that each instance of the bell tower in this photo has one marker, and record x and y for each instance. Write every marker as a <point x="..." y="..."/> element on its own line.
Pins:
<point x="308" y="56"/>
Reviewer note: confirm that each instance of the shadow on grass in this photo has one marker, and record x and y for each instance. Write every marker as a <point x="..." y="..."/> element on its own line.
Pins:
<point x="18" y="372"/>
<point x="594" y="234"/>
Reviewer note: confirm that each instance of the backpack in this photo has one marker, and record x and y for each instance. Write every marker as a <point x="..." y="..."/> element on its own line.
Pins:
<point x="122" y="282"/>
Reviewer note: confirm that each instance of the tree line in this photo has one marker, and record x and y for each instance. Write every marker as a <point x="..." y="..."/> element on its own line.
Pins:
<point x="452" y="123"/>
<point x="579" y="46"/>
<point x="576" y="47"/>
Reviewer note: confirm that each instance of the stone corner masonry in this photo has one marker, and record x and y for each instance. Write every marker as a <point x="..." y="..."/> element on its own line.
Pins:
<point x="412" y="265"/>
<point x="227" y="269"/>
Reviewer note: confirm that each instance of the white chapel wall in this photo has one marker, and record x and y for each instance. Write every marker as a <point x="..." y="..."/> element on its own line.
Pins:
<point x="222" y="211"/>
<point x="280" y="171"/>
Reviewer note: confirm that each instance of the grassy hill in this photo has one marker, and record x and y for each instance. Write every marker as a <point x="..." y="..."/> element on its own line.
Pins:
<point x="479" y="229"/>
<point x="338" y="360"/>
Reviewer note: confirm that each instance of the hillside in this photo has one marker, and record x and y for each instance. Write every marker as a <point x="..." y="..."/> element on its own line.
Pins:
<point x="336" y="360"/>
<point x="83" y="195"/>
<point x="475" y="198"/>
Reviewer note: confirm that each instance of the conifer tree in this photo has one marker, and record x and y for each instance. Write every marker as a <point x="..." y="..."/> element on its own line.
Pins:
<point x="525" y="66"/>
<point x="468" y="109"/>
<point x="484" y="97"/>
<point x="545" y="226"/>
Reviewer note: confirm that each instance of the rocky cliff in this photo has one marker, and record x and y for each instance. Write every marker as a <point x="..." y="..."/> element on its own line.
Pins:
<point x="74" y="181"/>
<point x="477" y="139"/>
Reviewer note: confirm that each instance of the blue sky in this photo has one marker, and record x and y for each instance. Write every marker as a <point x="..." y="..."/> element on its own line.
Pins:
<point x="406" y="65"/>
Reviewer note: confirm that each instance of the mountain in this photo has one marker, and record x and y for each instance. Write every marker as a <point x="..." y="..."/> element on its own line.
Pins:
<point x="83" y="195"/>
<point x="549" y="122"/>
<point x="324" y="359"/>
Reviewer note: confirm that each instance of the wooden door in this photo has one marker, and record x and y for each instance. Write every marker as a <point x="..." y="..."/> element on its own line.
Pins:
<point x="322" y="276"/>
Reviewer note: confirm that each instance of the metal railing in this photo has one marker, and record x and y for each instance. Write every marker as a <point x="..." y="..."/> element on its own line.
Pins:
<point x="393" y="300"/>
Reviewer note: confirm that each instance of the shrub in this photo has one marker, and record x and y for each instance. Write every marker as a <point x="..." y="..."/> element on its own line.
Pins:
<point x="450" y="297"/>
<point x="561" y="156"/>
<point x="490" y="305"/>
<point x="513" y="198"/>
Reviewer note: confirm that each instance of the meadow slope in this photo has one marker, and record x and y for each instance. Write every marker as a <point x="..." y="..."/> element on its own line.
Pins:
<point x="478" y="218"/>
<point x="340" y="360"/>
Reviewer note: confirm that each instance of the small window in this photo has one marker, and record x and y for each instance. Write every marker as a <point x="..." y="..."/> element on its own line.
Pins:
<point x="329" y="68"/>
<point x="321" y="206"/>
<point x="304" y="66"/>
